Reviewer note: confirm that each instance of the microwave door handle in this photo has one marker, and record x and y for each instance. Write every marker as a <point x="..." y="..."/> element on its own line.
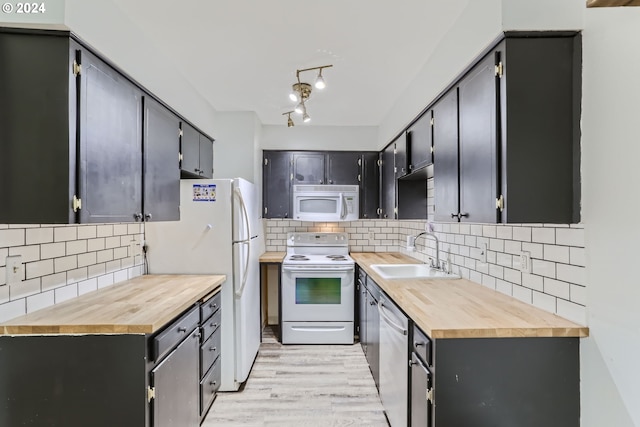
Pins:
<point x="343" y="209"/>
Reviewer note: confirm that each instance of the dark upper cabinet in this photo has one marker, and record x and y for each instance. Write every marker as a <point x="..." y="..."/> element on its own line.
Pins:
<point x="110" y="123"/>
<point x="420" y="142"/>
<point x="161" y="163"/>
<point x="518" y="144"/>
<point x="477" y="152"/>
<point x="445" y="157"/>
<point x="276" y="184"/>
<point x="196" y="153"/>
<point x="309" y="168"/>
<point x="388" y="183"/>
<point x="343" y="167"/>
<point x="369" y="185"/>
<point x="401" y="159"/>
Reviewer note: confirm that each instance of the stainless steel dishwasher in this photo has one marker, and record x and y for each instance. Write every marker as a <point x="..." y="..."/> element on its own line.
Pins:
<point x="394" y="361"/>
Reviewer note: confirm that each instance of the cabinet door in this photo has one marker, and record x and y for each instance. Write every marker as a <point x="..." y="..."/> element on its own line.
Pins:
<point x="420" y="393"/>
<point x="445" y="157"/>
<point x="401" y="162"/>
<point x="419" y="141"/>
<point x="369" y="185"/>
<point x="161" y="163"/>
<point x="206" y="157"/>
<point x="343" y="168"/>
<point x="308" y="168"/>
<point x="478" y="144"/>
<point x="362" y="312"/>
<point x="276" y="184"/>
<point x="388" y="192"/>
<point x="373" y="338"/>
<point x="190" y="149"/>
<point x="177" y="387"/>
<point x="110" y="144"/>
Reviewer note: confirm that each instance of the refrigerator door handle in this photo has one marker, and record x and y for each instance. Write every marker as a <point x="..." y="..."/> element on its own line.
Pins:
<point x="245" y="214"/>
<point x="245" y="272"/>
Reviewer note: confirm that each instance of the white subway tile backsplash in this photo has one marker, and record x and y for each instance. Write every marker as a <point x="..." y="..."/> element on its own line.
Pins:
<point x="504" y="260"/>
<point x="39" y="268"/>
<point x="578" y="294"/>
<point x="87" y="259"/>
<point x="95" y="244"/>
<point x="571" y="273"/>
<point x="76" y="247"/>
<point x="119" y="229"/>
<point x="523" y="294"/>
<point x="28" y="253"/>
<point x="556" y="288"/>
<point x="544" y="301"/>
<point x="120" y="276"/>
<point x="113" y="266"/>
<point x="488" y="281"/>
<point x="106" y="280"/>
<point x="37" y="236"/>
<point x="13" y="309"/>
<point x="77" y="275"/>
<point x="104" y="256"/>
<point x="65" y="234"/>
<point x="570" y="237"/>
<point x="24" y="289"/>
<point x="504" y="232"/>
<point x="104" y="230"/>
<point x="543" y="235"/>
<point x="488" y="230"/>
<point x="504" y="287"/>
<point x="496" y="271"/>
<point x="513" y="276"/>
<point x="12" y="237"/>
<point x="42" y="300"/>
<point x="65" y="263"/>
<point x="66" y="293"/>
<point x="577" y="256"/>
<point x="54" y="281"/>
<point x="572" y="311"/>
<point x="513" y="247"/>
<point x="87" y="232"/>
<point x="535" y="249"/>
<point x="52" y="250"/>
<point x="543" y="268"/>
<point x="112" y="242"/>
<point x="3" y="276"/>
<point x="533" y="282"/>
<point x="522" y="233"/>
<point x="4" y="293"/>
<point x="556" y="253"/>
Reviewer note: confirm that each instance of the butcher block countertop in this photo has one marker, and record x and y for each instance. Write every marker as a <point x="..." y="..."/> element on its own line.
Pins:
<point x="142" y="305"/>
<point x="272" y="257"/>
<point x="460" y="308"/>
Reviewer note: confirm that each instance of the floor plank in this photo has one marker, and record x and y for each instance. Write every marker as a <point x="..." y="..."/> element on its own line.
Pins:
<point x="302" y="385"/>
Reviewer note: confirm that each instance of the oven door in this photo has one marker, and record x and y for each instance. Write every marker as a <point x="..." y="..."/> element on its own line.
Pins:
<point x="318" y="294"/>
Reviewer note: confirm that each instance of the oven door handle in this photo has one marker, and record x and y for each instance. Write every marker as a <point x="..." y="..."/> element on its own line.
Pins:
<point x="317" y="270"/>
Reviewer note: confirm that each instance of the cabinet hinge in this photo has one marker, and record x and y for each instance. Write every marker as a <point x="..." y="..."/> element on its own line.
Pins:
<point x="77" y="68"/>
<point x="395" y="169"/>
<point x="395" y="210"/>
<point x="76" y="204"/>
<point x="180" y="156"/>
<point x="432" y="121"/>
<point x="291" y="177"/>
<point x="359" y="162"/>
<point x="429" y="395"/>
<point x="395" y="150"/>
<point x="500" y="203"/>
<point x="499" y="69"/>
<point x="379" y="211"/>
<point x="379" y="162"/>
<point x="431" y="149"/>
<point x="265" y="210"/>
<point x="266" y="162"/>
<point x="359" y="178"/>
<point x="151" y="393"/>
<point x="180" y="133"/>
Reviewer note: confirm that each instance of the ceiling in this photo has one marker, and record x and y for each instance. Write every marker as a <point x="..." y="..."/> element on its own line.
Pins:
<point x="242" y="55"/>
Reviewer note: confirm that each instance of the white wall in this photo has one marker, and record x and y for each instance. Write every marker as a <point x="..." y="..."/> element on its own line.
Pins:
<point x="236" y="141"/>
<point x="106" y="28"/>
<point x="610" y="178"/>
<point x="303" y="137"/>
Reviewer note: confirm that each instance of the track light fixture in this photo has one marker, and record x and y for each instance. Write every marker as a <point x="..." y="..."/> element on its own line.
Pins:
<point x="290" y="123"/>
<point x="301" y="91"/>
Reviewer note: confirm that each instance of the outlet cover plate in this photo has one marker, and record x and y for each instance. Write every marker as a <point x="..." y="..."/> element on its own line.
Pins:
<point x="15" y="269"/>
<point x="525" y="262"/>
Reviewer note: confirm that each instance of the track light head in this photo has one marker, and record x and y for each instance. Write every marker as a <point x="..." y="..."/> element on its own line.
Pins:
<point x="320" y="84"/>
<point x="290" y="123"/>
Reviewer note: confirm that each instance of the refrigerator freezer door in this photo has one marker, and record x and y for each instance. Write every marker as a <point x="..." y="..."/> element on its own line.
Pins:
<point x="247" y="306"/>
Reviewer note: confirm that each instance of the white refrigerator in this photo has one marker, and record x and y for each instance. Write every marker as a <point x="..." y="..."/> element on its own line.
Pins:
<point x="219" y="232"/>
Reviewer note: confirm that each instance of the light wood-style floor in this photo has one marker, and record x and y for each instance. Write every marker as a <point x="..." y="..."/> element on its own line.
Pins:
<point x="302" y="386"/>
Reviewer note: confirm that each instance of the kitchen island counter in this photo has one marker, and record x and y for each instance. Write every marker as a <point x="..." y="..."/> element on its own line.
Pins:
<point x="460" y="308"/>
<point x="142" y="305"/>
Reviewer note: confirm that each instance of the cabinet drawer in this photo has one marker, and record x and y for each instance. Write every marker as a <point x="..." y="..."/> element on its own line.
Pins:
<point x="421" y="345"/>
<point x="211" y="325"/>
<point x="209" y="352"/>
<point x="208" y="387"/>
<point x="174" y="333"/>
<point x="210" y="306"/>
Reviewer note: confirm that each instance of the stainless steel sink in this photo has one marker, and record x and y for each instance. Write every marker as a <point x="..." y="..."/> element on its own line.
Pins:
<point x="411" y="271"/>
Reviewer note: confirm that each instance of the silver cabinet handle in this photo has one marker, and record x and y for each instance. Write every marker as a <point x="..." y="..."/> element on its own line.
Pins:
<point x="147" y="217"/>
<point x="212" y="349"/>
<point x="182" y="329"/>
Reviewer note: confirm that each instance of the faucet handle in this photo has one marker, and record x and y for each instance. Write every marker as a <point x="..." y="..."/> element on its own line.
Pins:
<point x="432" y="263"/>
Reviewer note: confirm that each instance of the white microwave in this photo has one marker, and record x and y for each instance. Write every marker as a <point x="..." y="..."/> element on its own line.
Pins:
<point x="326" y="202"/>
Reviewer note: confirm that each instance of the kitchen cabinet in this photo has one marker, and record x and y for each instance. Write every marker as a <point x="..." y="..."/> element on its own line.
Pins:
<point x="276" y="184"/>
<point x="420" y="142"/>
<point x="401" y="158"/>
<point x="445" y="158"/>
<point x="388" y="183"/>
<point x="373" y="330"/>
<point x="196" y="153"/>
<point x="282" y="169"/>
<point x="83" y="125"/>
<point x="370" y="185"/>
<point x="421" y="391"/>
<point x="210" y="374"/>
<point x="161" y="146"/>
<point x="518" y="109"/>
<point x="361" y="294"/>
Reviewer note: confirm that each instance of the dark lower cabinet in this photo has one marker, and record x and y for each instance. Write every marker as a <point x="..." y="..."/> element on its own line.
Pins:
<point x="210" y="338"/>
<point x="362" y="309"/>
<point x="421" y="393"/>
<point x="176" y="386"/>
<point x="373" y="330"/>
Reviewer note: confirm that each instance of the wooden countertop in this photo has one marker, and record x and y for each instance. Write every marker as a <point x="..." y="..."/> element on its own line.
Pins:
<point x="464" y="309"/>
<point x="138" y="306"/>
<point x="274" y="257"/>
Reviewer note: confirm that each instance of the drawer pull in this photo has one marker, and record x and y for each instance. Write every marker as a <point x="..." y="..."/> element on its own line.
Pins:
<point x="418" y="344"/>
<point x="213" y="383"/>
<point x="213" y="305"/>
<point x="214" y="325"/>
<point x="212" y="349"/>
<point x="182" y="329"/>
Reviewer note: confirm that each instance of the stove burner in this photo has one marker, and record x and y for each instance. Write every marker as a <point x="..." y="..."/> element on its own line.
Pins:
<point x="299" y="258"/>
<point x="336" y="257"/>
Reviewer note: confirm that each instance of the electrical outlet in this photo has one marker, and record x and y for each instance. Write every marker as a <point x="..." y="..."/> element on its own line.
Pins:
<point x="372" y="235"/>
<point x="525" y="262"/>
<point x="134" y="248"/>
<point x="15" y="269"/>
<point x="483" y="253"/>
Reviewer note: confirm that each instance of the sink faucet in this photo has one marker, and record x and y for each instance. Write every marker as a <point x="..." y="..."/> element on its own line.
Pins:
<point x="428" y="233"/>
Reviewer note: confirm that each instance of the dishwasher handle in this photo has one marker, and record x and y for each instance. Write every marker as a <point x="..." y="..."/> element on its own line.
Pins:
<point x="388" y="320"/>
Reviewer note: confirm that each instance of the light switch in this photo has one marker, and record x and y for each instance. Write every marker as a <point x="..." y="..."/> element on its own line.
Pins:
<point x="15" y="269"/>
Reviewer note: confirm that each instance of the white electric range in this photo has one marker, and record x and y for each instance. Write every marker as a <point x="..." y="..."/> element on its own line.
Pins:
<point x="317" y="289"/>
